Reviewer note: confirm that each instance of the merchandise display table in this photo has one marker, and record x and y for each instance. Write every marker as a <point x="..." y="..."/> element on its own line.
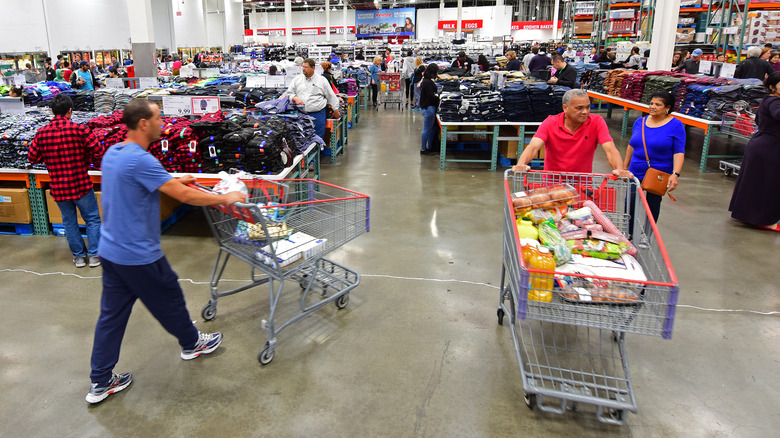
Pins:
<point x="491" y="128"/>
<point x="703" y="124"/>
<point x="338" y="136"/>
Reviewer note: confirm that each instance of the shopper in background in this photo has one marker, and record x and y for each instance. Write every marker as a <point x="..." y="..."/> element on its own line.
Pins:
<point x="273" y="70"/>
<point x="134" y="266"/>
<point x="333" y="58"/>
<point x="691" y="66"/>
<point x="314" y="93"/>
<point x="418" y="77"/>
<point x="463" y="62"/>
<point x="16" y="91"/>
<point x="676" y="60"/>
<point x="765" y="53"/>
<point x="328" y="75"/>
<point x="58" y="64"/>
<point x="756" y="200"/>
<point x="83" y="79"/>
<point x="388" y="59"/>
<point x="51" y="73"/>
<point x="774" y="60"/>
<point x="634" y="60"/>
<point x="95" y="69"/>
<point x="429" y="103"/>
<point x="374" y="70"/>
<point x="115" y="63"/>
<point x="407" y="71"/>
<point x="538" y="63"/>
<point x="68" y="149"/>
<point x="298" y="61"/>
<point x="528" y="57"/>
<point x="569" y="54"/>
<point x="63" y="74"/>
<point x="570" y="138"/>
<point x="360" y="57"/>
<point x="565" y="74"/>
<point x="514" y="63"/>
<point x="603" y="57"/>
<point x="721" y="58"/>
<point x="344" y="58"/>
<point x="664" y="137"/>
<point x="753" y="66"/>
<point x="176" y="67"/>
<point x="484" y="65"/>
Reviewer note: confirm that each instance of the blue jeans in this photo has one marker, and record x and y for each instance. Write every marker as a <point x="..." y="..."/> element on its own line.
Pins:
<point x="157" y="286"/>
<point x="416" y="95"/>
<point x="320" y="119"/>
<point x="428" y="138"/>
<point x="88" y="207"/>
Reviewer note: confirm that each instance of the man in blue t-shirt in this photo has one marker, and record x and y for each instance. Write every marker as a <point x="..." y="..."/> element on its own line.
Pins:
<point x="134" y="266"/>
<point x="82" y="78"/>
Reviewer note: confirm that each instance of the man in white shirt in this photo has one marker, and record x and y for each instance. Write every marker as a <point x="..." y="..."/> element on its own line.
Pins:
<point x="569" y="54"/>
<point x="528" y="57"/>
<point x="314" y="93"/>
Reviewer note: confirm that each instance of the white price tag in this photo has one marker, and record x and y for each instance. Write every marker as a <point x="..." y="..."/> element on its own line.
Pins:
<point x="728" y="70"/>
<point x="205" y="105"/>
<point x="274" y="82"/>
<point x="115" y="83"/>
<point x="144" y="83"/>
<point x="11" y="105"/>
<point x="177" y="106"/>
<point x="294" y="70"/>
<point x="705" y="67"/>
<point x="255" y="81"/>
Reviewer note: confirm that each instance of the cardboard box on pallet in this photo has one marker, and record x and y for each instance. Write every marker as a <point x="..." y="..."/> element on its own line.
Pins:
<point x="167" y="206"/>
<point x="15" y="206"/>
<point x="508" y="148"/>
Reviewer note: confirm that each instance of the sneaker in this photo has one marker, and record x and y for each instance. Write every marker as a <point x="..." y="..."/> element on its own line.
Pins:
<point x="80" y="261"/>
<point x="118" y="382"/>
<point x="207" y="343"/>
<point x="94" y="261"/>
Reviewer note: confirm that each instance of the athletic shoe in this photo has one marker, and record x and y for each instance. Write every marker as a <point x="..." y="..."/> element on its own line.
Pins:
<point x="207" y="343"/>
<point x="80" y="261"/>
<point x="94" y="261"/>
<point x="118" y="382"/>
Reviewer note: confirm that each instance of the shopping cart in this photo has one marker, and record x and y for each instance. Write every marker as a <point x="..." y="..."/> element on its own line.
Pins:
<point x="390" y="89"/>
<point x="283" y="233"/>
<point x="573" y="350"/>
<point x="741" y="122"/>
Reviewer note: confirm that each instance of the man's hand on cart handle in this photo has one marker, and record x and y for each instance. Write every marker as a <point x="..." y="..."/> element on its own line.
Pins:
<point x="622" y="173"/>
<point x="187" y="179"/>
<point x="521" y="168"/>
<point x="232" y="198"/>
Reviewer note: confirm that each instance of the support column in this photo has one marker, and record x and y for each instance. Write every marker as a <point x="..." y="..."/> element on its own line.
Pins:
<point x="664" y="32"/>
<point x="458" y="28"/>
<point x="555" y="20"/>
<point x="142" y="37"/>
<point x="288" y="23"/>
<point x="346" y="28"/>
<point x="327" y="20"/>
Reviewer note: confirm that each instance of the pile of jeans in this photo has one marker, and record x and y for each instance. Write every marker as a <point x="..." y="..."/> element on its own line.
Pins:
<point x="449" y="107"/>
<point x="16" y="132"/>
<point x="517" y="104"/>
<point x="449" y="85"/>
<point x="583" y="69"/>
<point x="737" y="95"/>
<point x="482" y="106"/>
<point x="753" y="92"/>
<point x="546" y="100"/>
<point x="360" y="75"/>
<point x="302" y="130"/>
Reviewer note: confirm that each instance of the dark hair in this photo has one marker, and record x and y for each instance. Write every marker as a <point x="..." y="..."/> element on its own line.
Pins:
<point x="112" y="69"/>
<point x="59" y="56"/>
<point x="557" y="57"/>
<point x="138" y="109"/>
<point x="48" y="59"/>
<point x="665" y="96"/>
<point x="272" y="70"/>
<point x="409" y="53"/>
<point x="612" y="57"/>
<point x="431" y="72"/>
<point x="61" y="104"/>
<point x="16" y="91"/>
<point x="388" y="50"/>
<point x="310" y="62"/>
<point x="768" y="45"/>
<point x="482" y="59"/>
<point x="772" y="80"/>
<point x="461" y="54"/>
<point x="534" y="50"/>
<point x="635" y="49"/>
<point x="65" y="64"/>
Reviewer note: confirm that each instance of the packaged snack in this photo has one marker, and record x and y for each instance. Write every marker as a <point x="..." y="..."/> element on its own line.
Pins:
<point x="544" y="197"/>
<point x="551" y="238"/>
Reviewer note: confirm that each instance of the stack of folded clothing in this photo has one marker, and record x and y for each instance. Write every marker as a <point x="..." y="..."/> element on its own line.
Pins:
<point x="544" y="101"/>
<point x="16" y="132"/>
<point x="482" y="106"/>
<point x="753" y="92"/>
<point x="449" y="85"/>
<point x="449" y="107"/>
<point x="104" y="100"/>
<point x="597" y="78"/>
<point x="517" y="105"/>
<point x="84" y="101"/>
<point x="634" y="84"/>
<point x="348" y="87"/>
<point x="722" y="100"/>
<point x="614" y="81"/>
<point x="657" y="83"/>
<point x="696" y="100"/>
<point x="302" y="130"/>
<point x="583" y="69"/>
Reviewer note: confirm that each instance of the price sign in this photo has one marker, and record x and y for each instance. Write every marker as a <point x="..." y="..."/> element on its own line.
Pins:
<point x="274" y="82"/>
<point x="255" y="81"/>
<point x="11" y="105"/>
<point x="115" y="83"/>
<point x="177" y="106"/>
<point x="148" y="83"/>
<point x="205" y="105"/>
<point x="295" y="70"/>
<point x="705" y="67"/>
<point x="728" y="70"/>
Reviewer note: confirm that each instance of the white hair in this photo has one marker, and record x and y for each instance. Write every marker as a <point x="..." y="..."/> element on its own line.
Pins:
<point x="754" y="52"/>
<point x="571" y="94"/>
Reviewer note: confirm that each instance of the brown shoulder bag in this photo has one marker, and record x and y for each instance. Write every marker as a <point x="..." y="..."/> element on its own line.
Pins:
<point x="655" y="181"/>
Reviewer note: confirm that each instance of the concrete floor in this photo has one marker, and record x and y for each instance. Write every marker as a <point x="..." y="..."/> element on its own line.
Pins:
<point x="418" y="352"/>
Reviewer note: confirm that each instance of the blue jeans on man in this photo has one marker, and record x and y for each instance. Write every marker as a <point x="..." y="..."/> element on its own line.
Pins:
<point x="428" y="138"/>
<point x="88" y="207"/>
<point x="320" y="119"/>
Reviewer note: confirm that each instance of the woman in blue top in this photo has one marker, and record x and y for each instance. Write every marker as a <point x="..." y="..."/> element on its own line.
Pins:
<point x="665" y="139"/>
<point x="375" y="70"/>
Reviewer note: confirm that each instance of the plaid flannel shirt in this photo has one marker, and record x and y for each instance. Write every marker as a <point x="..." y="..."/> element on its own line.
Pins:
<point x="67" y="149"/>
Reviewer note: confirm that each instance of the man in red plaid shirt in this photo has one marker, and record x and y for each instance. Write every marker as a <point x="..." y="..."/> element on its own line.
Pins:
<point x="67" y="149"/>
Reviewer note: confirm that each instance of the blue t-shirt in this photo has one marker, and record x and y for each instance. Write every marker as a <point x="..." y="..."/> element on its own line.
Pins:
<point x="87" y="76"/>
<point x="375" y="73"/>
<point x="130" y="233"/>
<point x="662" y="143"/>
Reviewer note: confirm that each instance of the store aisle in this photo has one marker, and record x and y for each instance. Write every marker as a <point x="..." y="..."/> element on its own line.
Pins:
<point x="418" y="352"/>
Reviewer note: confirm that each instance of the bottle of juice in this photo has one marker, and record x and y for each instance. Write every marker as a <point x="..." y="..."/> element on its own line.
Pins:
<point x="542" y="284"/>
<point x="526" y="229"/>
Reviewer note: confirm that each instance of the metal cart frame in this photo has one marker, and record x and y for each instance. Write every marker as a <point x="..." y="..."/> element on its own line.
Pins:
<point x="574" y="352"/>
<point x="330" y="214"/>
<point x="392" y="94"/>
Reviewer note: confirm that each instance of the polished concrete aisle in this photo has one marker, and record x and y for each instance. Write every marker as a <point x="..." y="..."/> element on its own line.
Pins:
<point x="418" y="351"/>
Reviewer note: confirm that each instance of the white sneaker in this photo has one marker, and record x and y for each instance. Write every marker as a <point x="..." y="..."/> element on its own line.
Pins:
<point x="94" y="261"/>
<point x="80" y="261"/>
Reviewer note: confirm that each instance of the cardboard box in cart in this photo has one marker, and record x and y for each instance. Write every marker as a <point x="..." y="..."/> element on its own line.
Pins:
<point x="15" y="206"/>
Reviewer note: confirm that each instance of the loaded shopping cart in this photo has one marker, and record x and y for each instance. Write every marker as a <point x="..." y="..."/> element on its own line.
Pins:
<point x="284" y="232"/>
<point x="569" y="332"/>
<point x="390" y="89"/>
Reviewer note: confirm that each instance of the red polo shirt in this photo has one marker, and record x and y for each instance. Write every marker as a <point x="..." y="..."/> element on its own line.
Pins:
<point x="571" y="152"/>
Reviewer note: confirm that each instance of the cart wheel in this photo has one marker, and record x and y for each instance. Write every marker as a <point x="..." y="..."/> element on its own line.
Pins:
<point x="342" y="301"/>
<point x="530" y="400"/>
<point x="728" y="171"/>
<point x="617" y="414"/>
<point x="266" y="355"/>
<point x="209" y="312"/>
<point x="500" y="314"/>
<point x="304" y="281"/>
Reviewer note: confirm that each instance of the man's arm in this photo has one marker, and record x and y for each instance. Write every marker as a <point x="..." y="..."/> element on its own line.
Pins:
<point x="533" y="148"/>
<point x="177" y="189"/>
<point x="291" y="92"/>
<point x="613" y="156"/>
<point x="333" y="100"/>
<point x="34" y="154"/>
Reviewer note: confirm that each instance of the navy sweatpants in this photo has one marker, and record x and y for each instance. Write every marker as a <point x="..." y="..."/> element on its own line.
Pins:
<point x="157" y="286"/>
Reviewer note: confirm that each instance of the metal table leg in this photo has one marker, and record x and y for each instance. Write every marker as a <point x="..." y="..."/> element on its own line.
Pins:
<point x="705" y="150"/>
<point x="494" y="156"/>
<point x="443" y="153"/>
<point x="624" y="128"/>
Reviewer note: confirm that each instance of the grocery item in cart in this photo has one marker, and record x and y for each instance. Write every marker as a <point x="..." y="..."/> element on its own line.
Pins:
<point x="298" y="247"/>
<point x="592" y="290"/>
<point x="544" y="197"/>
<point x="541" y="282"/>
<point x="551" y="238"/>
<point x="252" y="234"/>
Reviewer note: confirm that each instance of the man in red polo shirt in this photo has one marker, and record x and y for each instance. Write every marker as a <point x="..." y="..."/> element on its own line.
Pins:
<point x="570" y="138"/>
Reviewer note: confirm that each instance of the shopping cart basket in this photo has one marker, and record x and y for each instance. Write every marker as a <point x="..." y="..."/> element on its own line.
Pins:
<point x="284" y="232"/>
<point x="741" y="122"/>
<point x="390" y="89"/>
<point x="572" y="349"/>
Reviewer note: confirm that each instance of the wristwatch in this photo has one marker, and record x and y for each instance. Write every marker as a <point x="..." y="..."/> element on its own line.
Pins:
<point x="676" y="173"/>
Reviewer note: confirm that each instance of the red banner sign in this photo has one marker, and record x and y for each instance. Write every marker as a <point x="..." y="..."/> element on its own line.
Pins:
<point x="533" y="25"/>
<point x="464" y="24"/>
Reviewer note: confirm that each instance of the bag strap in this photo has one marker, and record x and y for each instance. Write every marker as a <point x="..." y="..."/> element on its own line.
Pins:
<point x="647" y="157"/>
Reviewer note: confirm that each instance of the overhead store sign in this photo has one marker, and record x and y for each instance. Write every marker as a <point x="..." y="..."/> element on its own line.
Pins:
<point x="464" y="24"/>
<point x="385" y="22"/>
<point x="299" y="31"/>
<point x="534" y="25"/>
